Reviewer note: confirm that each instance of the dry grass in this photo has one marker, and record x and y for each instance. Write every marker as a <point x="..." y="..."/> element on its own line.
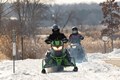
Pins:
<point x="91" y="43"/>
<point x="3" y="56"/>
<point x="36" y="47"/>
<point x="5" y="47"/>
<point x="115" y="62"/>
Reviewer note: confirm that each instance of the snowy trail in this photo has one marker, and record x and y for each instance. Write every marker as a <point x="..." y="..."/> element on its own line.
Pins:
<point x="31" y="70"/>
<point x="94" y="69"/>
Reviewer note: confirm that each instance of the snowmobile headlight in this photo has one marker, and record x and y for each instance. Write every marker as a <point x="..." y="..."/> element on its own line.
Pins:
<point x="73" y="46"/>
<point x="57" y="48"/>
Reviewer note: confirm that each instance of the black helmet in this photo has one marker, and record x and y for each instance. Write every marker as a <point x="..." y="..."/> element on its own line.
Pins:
<point x="74" y="30"/>
<point x="55" y="28"/>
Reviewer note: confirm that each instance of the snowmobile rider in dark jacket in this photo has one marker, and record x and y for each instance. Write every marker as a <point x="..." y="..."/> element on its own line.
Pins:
<point x="75" y="37"/>
<point x="56" y="35"/>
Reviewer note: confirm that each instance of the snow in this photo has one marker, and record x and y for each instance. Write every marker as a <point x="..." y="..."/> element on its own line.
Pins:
<point x="99" y="56"/>
<point x="115" y="12"/>
<point x="94" y="69"/>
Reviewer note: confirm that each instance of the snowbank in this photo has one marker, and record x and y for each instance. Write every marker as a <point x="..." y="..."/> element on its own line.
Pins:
<point x="94" y="69"/>
<point x="99" y="56"/>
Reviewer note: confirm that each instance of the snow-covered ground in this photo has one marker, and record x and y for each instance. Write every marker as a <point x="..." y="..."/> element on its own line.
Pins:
<point x="94" y="69"/>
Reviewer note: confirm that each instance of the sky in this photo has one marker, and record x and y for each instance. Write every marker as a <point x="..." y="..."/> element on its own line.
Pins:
<point x="79" y="1"/>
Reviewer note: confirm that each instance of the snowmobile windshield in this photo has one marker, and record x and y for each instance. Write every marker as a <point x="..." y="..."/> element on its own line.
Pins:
<point x="57" y="45"/>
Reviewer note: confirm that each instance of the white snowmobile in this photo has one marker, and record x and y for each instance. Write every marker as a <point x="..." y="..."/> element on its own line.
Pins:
<point x="77" y="51"/>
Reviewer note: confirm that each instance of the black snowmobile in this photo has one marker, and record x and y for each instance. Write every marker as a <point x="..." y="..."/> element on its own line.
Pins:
<point x="57" y="58"/>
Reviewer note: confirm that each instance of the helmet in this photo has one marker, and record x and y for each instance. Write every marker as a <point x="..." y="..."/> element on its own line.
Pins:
<point x="74" y="30"/>
<point x="55" y="28"/>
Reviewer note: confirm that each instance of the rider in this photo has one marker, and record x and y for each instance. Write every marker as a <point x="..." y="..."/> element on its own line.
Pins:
<point x="75" y="37"/>
<point x="56" y="35"/>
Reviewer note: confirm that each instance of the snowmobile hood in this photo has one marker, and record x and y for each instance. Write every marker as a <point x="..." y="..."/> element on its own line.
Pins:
<point x="57" y="43"/>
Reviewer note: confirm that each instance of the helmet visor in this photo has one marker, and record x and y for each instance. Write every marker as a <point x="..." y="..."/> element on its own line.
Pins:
<point x="74" y="31"/>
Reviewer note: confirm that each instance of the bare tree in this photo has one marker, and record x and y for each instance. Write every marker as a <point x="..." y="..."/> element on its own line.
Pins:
<point x="28" y="13"/>
<point x="2" y="13"/>
<point x="111" y="12"/>
<point x="67" y="19"/>
<point x="60" y="15"/>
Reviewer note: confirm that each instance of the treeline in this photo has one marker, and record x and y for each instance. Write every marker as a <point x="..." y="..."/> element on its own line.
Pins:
<point x="78" y="14"/>
<point x="65" y="14"/>
<point x="87" y="14"/>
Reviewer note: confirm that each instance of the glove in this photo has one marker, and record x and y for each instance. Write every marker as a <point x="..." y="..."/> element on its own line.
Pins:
<point x="65" y="40"/>
<point x="48" y="41"/>
<point x="81" y="37"/>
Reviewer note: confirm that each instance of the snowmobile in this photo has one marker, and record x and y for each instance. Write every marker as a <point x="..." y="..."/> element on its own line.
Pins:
<point x="77" y="51"/>
<point x="57" y="58"/>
